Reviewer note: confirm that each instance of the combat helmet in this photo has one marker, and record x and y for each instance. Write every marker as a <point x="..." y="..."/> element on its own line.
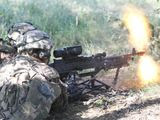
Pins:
<point x="36" y="40"/>
<point x="17" y="31"/>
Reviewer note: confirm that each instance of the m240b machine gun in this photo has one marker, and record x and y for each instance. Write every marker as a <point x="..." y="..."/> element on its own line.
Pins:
<point x="69" y="62"/>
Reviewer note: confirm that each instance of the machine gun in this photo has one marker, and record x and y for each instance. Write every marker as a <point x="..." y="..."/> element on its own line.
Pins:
<point x="69" y="63"/>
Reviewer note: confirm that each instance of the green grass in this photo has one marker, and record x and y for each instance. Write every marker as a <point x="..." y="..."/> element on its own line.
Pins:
<point x="94" y="24"/>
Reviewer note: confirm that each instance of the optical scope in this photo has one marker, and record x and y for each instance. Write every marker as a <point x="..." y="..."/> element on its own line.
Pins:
<point x="68" y="52"/>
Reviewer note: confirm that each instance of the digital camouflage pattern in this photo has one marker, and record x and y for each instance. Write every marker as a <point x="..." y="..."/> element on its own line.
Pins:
<point x="6" y="51"/>
<point x="5" y="47"/>
<point x="35" y="39"/>
<point x="27" y="89"/>
<point x="16" y="31"/>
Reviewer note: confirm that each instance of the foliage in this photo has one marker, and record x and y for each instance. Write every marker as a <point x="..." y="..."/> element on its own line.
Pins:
<point x="94" y="24"/>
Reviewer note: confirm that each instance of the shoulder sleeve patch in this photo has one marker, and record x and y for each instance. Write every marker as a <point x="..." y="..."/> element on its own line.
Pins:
<point x="45" y="90"/>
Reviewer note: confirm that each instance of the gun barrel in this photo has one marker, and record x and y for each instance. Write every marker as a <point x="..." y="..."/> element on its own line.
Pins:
<point x="141" y="53"/>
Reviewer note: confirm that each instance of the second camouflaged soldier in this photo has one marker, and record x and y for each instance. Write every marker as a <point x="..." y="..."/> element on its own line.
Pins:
<point x="6" y="51"/>
<point x="28" y="85"/>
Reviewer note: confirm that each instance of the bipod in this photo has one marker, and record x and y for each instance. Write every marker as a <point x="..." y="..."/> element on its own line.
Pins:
<point x="93" y="84"/>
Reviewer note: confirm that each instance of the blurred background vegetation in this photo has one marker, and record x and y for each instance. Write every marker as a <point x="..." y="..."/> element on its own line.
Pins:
<point x="94" y="24"/>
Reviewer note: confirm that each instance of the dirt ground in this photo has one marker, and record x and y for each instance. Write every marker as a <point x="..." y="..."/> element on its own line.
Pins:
<point x="116" y="107"/>
<point x="116" y="103"/>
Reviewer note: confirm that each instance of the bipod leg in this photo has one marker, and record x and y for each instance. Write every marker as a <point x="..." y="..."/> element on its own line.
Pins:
<point x="96" y="85"/>
<point x="92" y="82"/>
<point x="103" y="84"/>
<point x="116" y="76"/>
<point x="99" y="84"/>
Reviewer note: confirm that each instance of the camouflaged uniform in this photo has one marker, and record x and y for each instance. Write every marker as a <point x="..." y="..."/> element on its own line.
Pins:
<point x="6" y="51"/>
<point x="5" y="47"/>
<point x="27" y="87"/>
